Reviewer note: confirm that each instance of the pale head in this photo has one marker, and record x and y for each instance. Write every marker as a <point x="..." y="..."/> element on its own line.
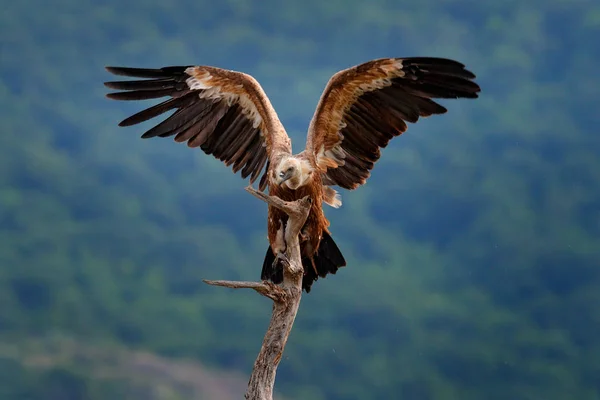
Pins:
<point x="293" y="172"/>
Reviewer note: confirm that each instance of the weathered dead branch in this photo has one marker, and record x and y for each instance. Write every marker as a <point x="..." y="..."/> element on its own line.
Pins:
<point x="286" y="298"/>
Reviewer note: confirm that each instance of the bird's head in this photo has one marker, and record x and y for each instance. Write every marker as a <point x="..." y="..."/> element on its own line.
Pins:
<point x="292" y="172"/>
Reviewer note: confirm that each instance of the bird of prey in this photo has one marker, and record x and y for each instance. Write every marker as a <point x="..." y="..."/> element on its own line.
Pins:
<point x="227" y="114"/>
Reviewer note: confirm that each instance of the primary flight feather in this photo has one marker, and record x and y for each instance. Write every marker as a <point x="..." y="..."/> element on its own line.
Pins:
<point x="227" y="114"/>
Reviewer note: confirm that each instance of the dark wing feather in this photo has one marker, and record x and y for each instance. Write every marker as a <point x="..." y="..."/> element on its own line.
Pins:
<point x="224" y="113"/>
<point x="364" y="107"/>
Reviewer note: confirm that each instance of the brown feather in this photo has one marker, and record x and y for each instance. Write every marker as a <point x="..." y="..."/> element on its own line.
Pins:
<point x="229" y="130"/>
<point x="209" y="123"/>
<point x="241" y="162"/>
<point x="225" y="113"/>
<point x="156" y="110"/>
<point x="264" y="179"/>
<point x="188" y="131"/>
<point x="254" y="151"/>
<point x="241" y="144"/>
<point x="364" y="107"/>
<point x="180" y="120"/>
<point x="259" y="167"/>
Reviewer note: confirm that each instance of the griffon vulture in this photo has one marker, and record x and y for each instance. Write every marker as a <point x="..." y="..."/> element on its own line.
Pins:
<point x="227" y="114"/>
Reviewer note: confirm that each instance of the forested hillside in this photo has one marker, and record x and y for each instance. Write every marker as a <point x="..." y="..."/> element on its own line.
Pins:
<point x="473" y="251"/>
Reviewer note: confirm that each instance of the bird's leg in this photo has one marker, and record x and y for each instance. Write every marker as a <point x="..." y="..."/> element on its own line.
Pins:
<point x="303" y="236"/>
<point x="280" y="258"/>
<point x="280" y="246"/>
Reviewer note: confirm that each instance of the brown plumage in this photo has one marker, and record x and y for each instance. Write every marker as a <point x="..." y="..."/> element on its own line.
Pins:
<point x="227" y="114"/>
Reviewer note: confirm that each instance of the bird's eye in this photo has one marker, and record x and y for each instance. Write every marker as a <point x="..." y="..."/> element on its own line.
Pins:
<point x="290" y="168"/>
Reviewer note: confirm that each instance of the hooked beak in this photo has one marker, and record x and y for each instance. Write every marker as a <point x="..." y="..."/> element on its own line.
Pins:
<point x="283" y="176"/>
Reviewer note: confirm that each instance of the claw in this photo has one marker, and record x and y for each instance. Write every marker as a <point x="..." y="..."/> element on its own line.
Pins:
<point x="280" y="239"/>
<point x="279" y="257"/>
<point x="303" y="236"/>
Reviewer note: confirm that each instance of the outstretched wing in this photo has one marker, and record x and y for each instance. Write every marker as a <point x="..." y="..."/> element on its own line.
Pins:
<point x="225" y="113"/>
<point x="364" y="107"/>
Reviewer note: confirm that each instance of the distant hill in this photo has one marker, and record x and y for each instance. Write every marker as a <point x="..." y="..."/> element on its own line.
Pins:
<point x="88" y="371"/>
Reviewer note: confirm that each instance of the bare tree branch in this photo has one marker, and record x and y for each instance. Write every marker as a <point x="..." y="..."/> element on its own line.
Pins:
<point x="265" y="288"/>
<point x="286" y="297"/>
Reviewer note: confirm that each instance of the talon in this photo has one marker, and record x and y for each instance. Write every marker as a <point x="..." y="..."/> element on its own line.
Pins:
<point x="303" y="236"/>
<point x="279" y="257"/>
<point x="280" y="245"/>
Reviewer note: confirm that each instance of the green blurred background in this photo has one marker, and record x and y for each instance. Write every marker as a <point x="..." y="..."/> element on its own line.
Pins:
<point x="473" y="251"/>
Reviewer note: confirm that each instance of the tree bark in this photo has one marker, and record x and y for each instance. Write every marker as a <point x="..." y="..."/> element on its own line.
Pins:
<point x="286" y="297"/>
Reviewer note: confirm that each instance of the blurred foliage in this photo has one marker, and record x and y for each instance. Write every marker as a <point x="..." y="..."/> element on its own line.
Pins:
<point x="473" y="251"/>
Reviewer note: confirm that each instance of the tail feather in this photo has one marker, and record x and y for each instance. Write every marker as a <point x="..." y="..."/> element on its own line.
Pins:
<point x="270" y="272"/>
<point x="327" y="260"/>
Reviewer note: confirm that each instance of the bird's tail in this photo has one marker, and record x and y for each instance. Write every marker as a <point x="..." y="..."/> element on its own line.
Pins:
<point x="327" y="260"/>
